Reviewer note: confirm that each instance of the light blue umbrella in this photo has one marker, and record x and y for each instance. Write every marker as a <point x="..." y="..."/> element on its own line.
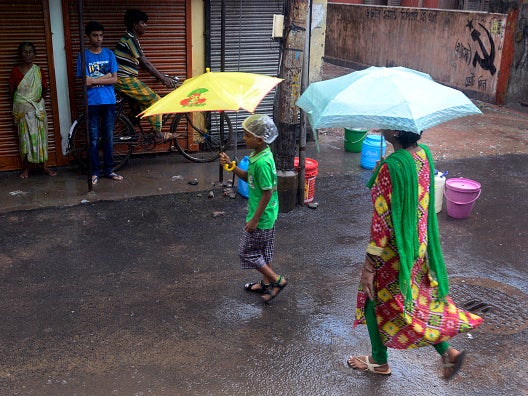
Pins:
<point x="383" y="98"/>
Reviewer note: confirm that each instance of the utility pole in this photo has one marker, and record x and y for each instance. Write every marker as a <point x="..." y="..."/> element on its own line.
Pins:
<point x="286" y="113"/>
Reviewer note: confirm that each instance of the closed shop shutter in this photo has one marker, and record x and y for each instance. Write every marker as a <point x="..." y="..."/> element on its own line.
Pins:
<point x="166" y="42"/>
<point x="25" y="20"/>
<point x="248" y="44"/>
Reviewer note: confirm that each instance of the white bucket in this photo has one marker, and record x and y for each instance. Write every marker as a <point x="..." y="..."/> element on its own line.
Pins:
<point x="439" y="191"/>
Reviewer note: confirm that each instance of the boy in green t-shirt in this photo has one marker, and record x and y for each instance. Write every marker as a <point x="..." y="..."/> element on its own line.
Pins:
<point x="256" y="245"/>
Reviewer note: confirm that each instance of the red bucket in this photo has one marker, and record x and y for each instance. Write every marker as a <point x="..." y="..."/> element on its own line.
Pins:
<point x="310" y="172"/>
<point x="461" y="195"/>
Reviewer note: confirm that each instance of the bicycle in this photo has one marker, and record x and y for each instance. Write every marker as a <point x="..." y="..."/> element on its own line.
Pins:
<point x="198" y="135"/>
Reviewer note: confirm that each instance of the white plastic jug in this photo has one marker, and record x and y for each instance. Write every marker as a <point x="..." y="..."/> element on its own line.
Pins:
<point x="440" y="179"/>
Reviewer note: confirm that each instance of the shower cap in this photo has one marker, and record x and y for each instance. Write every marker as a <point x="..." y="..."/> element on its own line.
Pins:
<point x="262" y="126"/>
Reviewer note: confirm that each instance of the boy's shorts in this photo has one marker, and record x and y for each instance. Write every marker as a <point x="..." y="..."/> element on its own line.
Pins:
<point x="256" y="248"/>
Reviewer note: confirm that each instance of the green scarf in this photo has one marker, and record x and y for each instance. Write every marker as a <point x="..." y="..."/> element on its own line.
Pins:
<point x="404" y="207"/>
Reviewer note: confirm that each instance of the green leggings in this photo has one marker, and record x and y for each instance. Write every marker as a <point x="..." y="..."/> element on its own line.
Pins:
<point x="379" y="351"/>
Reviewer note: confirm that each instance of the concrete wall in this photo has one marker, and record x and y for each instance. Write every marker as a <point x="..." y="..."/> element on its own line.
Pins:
<point x="518" y="83"/>
<point x="461" y="49"/>
<point x="317" y="38"/>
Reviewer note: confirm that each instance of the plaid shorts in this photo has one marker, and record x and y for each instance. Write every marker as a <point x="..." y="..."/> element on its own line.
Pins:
<point x="256" y="248"/>
<point x="138" y="90"/>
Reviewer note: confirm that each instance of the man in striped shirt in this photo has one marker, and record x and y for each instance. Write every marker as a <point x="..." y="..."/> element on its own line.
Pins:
<point x="130" y="58"/>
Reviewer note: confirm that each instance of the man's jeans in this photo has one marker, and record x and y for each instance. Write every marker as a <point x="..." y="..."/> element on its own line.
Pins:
<point x="101" y="125"/>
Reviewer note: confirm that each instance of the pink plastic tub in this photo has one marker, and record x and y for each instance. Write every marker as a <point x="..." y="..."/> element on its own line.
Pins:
<point x="461" y="195"/>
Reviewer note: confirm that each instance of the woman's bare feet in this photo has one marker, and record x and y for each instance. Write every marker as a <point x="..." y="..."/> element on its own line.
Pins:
<point x="366" y="363"/>
<point x="25" y="173"/>
<point x="48" y="171"/>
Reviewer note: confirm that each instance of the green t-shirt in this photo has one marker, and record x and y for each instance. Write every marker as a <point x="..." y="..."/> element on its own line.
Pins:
<point x="262" y="175"/>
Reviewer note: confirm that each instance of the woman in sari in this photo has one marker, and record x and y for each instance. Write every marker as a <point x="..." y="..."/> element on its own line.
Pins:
<point x="403" y="293"/>
<point x="28" y="87"/>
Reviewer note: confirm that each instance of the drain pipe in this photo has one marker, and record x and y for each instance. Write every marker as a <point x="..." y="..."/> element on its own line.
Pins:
<point x="304" y="83"/>
<point x="222" y="68"/>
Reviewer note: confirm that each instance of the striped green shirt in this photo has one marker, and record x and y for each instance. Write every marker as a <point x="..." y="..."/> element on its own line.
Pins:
<point x="127" y="53"/>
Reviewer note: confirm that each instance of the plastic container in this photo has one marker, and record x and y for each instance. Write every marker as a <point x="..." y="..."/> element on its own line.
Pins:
<point x="373" y="145"/>
<point x="242" y="187"/>
<point x="310" y="173"/>
<point x="461" y="195"/>
<point x="354" y="139"/>
<point x="439" y="190"/>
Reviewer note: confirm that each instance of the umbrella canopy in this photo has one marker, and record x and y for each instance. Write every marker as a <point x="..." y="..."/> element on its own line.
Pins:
<point x="215" y="91"/>
<point x="385" y="98"/>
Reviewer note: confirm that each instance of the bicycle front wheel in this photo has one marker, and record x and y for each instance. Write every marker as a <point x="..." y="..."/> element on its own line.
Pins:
<point x="199" y="135"/>
<point x="124" y="136"/>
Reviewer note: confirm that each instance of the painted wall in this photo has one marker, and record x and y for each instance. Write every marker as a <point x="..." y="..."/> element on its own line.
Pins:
<point x="61" y="71"/>
<point x="198" y="37"/>
<point x="458" y="48"/>
<point x="518" y="83"/>
<point x="317" y="38"/>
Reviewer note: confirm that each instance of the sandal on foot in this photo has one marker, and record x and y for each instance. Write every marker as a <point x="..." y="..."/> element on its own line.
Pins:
<point x="274" y="289"/>
<point x="115" y="176"/>
<point x="451" y="369"/>
<point x="263" y="287"/>
<point x="164" y="137"/>
<point x="371" y="367"/>
<point x="95" y="179"/>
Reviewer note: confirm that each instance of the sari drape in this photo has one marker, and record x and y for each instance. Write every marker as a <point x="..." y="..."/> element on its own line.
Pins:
<point x="30" y="117"/>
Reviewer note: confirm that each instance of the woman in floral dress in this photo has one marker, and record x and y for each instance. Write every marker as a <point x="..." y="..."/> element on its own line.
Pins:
<point x="403" y="294"/>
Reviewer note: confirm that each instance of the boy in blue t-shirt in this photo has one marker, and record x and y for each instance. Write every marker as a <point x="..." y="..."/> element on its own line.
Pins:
<point x="257" y="243"/>
<point x="101" y="75"/>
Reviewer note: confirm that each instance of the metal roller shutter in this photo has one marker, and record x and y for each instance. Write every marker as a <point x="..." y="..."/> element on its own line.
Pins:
<point x="166" y="42"/>
<point x="25" y="20"/>
<point x="248" y="44"/>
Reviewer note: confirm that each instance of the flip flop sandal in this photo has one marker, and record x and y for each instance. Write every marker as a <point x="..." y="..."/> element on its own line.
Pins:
<point x="274" y="289"/>
<point x="95" y="179"/>
<point x="115" y="176"/>
<point x="451" y="369"/>
<point x="262" y="289"/>
<point x="371" y="367"/>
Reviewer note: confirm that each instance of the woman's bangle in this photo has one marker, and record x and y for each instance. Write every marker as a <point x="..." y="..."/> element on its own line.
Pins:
<point x="371" y="270"/>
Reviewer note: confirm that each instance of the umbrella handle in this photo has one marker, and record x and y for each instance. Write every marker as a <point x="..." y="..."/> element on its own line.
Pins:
<point x="230" y="167"/>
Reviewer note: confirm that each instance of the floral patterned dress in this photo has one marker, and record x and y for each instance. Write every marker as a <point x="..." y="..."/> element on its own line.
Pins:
<point x="429" y="321"/>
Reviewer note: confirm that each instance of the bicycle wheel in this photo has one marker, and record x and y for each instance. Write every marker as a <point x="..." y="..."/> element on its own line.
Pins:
<point x="124" y="137"/>
<point x="198" y="135"/>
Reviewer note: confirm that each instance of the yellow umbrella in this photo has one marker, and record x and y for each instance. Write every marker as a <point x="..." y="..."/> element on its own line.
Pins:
<point x="215" y="91"/>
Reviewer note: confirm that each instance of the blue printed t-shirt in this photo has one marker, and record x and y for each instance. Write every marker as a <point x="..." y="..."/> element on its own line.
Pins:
<point x="97" y="65"/>
<point x="262" y="175"/>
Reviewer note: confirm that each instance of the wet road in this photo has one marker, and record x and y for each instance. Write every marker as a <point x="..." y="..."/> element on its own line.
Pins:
<point x="139" y="292"/>
<point x="143" y="296"/>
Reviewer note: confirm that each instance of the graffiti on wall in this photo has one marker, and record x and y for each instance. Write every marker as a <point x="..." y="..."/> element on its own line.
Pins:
<point x="484" y="53"/>
<point x="483" y="57"/>
<point x="404" y="15"/>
